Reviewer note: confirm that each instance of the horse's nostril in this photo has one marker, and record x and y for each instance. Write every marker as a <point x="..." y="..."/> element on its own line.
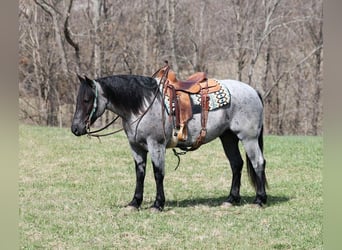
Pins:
<point x="74" y="130"/>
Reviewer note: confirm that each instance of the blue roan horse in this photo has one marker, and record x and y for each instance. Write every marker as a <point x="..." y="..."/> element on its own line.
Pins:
<point x="138" y="100"/>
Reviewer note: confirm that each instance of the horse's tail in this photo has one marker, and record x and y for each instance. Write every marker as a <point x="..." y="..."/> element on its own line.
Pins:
<point x="250" y="169"/>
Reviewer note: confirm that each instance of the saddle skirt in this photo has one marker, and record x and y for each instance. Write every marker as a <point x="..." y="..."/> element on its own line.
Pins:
<point x="182" y="104"/>
<point x="217" y="99"/>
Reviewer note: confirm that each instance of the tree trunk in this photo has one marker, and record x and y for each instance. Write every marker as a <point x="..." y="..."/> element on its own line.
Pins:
<point x="145" y="43"/>
<point x="96" y="39"/>
<point x="171" y="5"/>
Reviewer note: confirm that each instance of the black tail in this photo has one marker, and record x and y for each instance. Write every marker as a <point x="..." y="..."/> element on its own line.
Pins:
<point x="251" y="172"/>
<point x="250" y="169"/>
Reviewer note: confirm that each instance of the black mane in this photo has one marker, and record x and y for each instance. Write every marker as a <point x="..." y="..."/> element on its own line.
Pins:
<point x="128" y="92"/>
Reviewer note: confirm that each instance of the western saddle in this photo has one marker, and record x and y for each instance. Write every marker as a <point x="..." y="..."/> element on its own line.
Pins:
<point x="179" y="93"/>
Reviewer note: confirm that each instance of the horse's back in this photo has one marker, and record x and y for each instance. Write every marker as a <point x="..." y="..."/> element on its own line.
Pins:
<point x="241" y="90"/>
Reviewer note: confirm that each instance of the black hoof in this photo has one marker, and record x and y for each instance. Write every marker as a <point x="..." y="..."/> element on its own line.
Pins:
<point x="158" y="206"/>
<point x="234" y="200"/>
<point x="260" y="201"/>
<point x="134" y="204"/>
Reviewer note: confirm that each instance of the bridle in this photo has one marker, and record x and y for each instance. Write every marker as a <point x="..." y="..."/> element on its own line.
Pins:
<point x="94" y="107"/>
<point x="93" y="133"/>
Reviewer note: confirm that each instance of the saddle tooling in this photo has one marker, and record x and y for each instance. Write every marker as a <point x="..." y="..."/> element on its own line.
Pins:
<point x="181" y="97"/>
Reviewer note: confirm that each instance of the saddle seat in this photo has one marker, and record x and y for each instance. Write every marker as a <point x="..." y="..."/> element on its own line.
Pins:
<point x="194" y="83"/>
<point x="190" y="85"/>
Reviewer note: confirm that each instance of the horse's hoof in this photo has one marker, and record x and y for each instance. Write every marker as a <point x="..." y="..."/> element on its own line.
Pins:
<point x="227" y="204"/>
<point x="155" y="209"/>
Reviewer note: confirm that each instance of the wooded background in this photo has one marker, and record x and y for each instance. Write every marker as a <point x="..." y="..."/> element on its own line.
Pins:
<point x="276" y="46"/>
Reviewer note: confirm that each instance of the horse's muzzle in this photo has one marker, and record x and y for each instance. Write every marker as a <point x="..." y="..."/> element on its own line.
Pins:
<point x="77" y="130"/>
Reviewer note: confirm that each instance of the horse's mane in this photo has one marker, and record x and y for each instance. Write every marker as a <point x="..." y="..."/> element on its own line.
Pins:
<point x="128" y="92"/>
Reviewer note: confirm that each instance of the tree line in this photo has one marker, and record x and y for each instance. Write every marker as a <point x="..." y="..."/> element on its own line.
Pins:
<point x="276" y="46"/>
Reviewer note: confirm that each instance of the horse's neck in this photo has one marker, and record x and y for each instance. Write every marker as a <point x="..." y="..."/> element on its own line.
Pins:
<point x="111" y="107"/>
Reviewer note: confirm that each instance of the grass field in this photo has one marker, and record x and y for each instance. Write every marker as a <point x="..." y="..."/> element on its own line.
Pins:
<point x="72" y="193"/>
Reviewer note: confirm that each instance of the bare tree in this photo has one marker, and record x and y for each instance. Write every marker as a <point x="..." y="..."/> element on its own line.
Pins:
<point x="69" y="39"/>
<point x="170" y="23"/>
<point x="275" y="46"/>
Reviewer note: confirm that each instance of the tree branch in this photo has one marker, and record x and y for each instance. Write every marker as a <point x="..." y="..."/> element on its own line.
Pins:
<point x="268" y="92"/>
<point x="68" y="37"/>
<point x="43" y="7"/>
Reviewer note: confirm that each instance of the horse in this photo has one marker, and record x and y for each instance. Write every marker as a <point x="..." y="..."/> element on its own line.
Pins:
<point x="139" y="101"/>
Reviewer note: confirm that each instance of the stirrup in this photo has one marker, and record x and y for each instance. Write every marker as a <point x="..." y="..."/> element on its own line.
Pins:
<point x="182" y="133"/>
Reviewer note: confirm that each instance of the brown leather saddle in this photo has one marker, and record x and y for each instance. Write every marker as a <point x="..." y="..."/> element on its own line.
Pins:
<point x="179" y="93"/>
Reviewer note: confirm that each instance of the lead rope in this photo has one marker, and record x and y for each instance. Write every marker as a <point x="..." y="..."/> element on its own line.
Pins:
<point x="177" y="154"/>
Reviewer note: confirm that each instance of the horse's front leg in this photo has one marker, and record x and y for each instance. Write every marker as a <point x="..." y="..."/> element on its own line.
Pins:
<point x="158" y="161"/>
<point x="139" y="156"/>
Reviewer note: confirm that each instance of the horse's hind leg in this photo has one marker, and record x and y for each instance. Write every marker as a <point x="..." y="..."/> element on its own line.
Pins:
<point x="256" y="168"/>
<point x="230" y="143"/>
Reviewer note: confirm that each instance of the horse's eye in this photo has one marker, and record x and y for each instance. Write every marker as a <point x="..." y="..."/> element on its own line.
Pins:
<point x="86" y="100"/>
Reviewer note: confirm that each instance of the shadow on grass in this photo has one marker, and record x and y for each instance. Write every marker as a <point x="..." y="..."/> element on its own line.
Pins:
<point x="214" y="202"/>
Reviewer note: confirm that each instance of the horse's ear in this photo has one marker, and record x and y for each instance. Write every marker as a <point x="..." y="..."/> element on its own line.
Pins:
<point x="80" y="78"/>
<point x="89" y="82"/>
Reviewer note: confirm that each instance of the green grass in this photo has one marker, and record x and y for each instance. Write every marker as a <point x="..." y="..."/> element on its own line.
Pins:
<point x="72" y="193"/>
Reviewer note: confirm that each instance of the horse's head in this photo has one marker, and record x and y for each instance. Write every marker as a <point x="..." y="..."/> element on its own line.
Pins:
<point x="87" y="106"/>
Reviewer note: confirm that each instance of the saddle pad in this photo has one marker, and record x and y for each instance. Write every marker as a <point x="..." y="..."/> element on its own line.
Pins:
<point x="217" y="99"/>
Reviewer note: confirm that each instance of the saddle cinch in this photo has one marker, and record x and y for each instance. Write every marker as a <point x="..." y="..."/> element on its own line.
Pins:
<point x="179" y="93"/>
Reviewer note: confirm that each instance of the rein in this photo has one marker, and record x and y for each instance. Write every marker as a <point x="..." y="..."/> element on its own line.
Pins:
<point x="93" y="133"/>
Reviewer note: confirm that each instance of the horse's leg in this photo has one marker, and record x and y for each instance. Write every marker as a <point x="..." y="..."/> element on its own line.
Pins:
<point x="256" y="168"/>
<point x="158" y="161"/>
<point x="230" y="144"/>
<point x="139" y="156"/>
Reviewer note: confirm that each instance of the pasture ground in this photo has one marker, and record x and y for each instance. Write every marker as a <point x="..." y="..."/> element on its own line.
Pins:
<point x="72" y="193"/>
